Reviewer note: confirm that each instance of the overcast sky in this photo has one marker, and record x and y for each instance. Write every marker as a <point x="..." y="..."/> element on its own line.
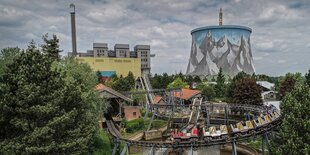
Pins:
<point x="280" y="38"/>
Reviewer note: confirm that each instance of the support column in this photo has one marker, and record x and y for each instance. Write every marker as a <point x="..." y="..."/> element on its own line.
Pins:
<point x="208" y="118"/>
<point x="150" y="125"/>
<point x="146" y="111"/>
<point x="265" y="140"/>
<point x="263" y="143"/>
<point x="152" y="152"/>
<point x="116" y="144"/>
<point x="234" y="149"/>
<point x="226" y="116"/>
<point x="125" y="149"/>
<point x="191" y="151"/>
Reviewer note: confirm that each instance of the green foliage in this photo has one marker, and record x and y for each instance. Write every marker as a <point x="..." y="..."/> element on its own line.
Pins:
<point x="197" y="79"/>
<point x="134" y="125"/>
<point x="102" y="144"/>
<point x="177" y="83"/>
<point x="294" y="133"/>
<point x="220" y="87"/>
<point x="232" y="85"/>
<point x="44" y="109"/>
<point x="6" y="57"/>
<point x="73" y="71"/>
<point x="247" y="92"/>
<point x="288" y="82"/>
<point x="161" y="81"/>
<point x="189" y="80"/>
<point x="201" y="86"/>
<point x="307" y="78"/>
<point x="138" y="98"/>
<point x="156" y="124"/>
<point x="208" y="93"/>
<point x="51" y="47"/>
<point x="123" y="83"/>
<point x="180" y="75"/>
<point x="262" y="77"/>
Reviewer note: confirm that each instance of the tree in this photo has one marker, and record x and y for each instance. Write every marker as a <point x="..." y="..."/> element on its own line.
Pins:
<point x="220" y="84"/>
<point x="166" y="80"/>
<point x="189" y="80"/>
<point x="307" y="78"/>
<point x="42" y="111"/>
<point x="287" y="83"/>
<point x="121" y="84"/>
<point x="294" y="133"/>
<point x="208" y="93"/>
<point x="156" y="81"/>
<point x="247" y="92"/>
<point x="197" y="79"/>
<point x="131" y="79"/>
<point x="232" y="85"/>
<point x="177" y="83"/>
<point x="51" y="47"/>
<point x="73" y="71"/>
<point x="6" y="57"/>
<point x="180" y="75"/>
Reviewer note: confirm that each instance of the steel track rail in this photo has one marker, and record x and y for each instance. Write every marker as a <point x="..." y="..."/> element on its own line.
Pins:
<point x="196" y="144"/>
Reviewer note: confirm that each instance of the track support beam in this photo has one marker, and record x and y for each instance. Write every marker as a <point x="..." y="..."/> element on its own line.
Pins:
<point x="125" y="149"/>
<point x="150" y="125"/>
<point x="234" y="149"/>
<point x="146" y="111"/>
<point x="208" y="117"/>
<point x="226" y="116"/>
<point x="191" y="151"/>
<point x="116" y="144"/>
<point x="152" y="152"/>
<point x="265" y="140"/>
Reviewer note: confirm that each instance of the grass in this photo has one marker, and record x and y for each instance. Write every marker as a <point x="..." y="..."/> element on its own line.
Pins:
<point x="136" y="126"/>
<point x="102" y="144"/>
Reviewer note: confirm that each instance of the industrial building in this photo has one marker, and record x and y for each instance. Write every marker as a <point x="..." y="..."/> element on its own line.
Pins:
<point x="223" y="46"/>
<point x="121" y="59"/>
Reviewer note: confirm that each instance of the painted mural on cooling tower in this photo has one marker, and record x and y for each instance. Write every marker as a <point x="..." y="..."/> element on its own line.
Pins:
<point x="212" y="49"/>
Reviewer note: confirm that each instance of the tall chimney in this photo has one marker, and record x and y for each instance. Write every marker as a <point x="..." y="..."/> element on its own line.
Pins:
<point x="221" y="17"/>
<point x="73" y="31"/>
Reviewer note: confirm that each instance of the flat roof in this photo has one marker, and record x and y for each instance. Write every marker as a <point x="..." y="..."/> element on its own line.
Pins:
<point x="100" y="45"/>
<point x="221" y="27"/>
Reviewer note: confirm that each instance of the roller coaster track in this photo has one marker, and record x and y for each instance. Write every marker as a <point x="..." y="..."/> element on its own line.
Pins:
<point x="264" y="129"/>
<point x="249" y="108"/>
<point x="151" y="91"/>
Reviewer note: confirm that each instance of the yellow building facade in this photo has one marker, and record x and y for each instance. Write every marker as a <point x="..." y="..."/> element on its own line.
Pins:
<point x="121" y="66"/>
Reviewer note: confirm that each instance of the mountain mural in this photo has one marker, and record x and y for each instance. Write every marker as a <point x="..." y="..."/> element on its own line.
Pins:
<point x="211" y="54"/>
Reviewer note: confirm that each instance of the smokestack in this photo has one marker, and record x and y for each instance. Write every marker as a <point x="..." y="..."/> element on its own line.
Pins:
<point x="73" y="31"/>
<point x="221" y="17"/>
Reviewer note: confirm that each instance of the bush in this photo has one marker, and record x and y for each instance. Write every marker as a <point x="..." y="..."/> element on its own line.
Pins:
<point x="101" y="143"/>
<point x="158" y="124"/>
<point x="134" y="125"/>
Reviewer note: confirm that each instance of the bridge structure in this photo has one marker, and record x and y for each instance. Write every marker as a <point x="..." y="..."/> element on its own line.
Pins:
<point x="265" y="122"/>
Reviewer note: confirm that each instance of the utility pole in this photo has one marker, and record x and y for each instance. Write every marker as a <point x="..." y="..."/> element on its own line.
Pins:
<point x="73" y="30"/>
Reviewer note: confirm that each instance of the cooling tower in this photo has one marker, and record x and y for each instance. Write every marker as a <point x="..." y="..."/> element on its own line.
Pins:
<point x="226" y="46"/>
